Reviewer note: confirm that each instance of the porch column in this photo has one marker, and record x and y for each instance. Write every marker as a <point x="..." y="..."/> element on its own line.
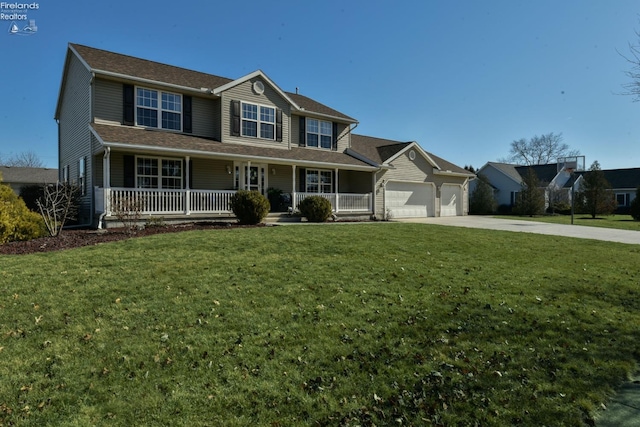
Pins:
<point x="337" y="193"/>
<point x="187" y="195"/>
<point x="106" y="180"/>
<point x="247" y="176"/>
<point x="293" y="187"/>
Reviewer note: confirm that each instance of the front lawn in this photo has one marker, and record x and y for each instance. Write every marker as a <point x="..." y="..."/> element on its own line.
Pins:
<point x="357" y="324"/>
<point x="623" y="222"/>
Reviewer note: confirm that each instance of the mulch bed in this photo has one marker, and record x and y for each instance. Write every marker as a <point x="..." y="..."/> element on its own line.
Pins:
<point x="69" y="239"/>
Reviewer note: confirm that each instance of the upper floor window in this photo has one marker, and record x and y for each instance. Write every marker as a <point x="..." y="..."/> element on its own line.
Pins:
<point x="152" y="172"/>
<point x="258" y="121"/>
<point x="319" y="133"/>
<point x="158" y="109"/>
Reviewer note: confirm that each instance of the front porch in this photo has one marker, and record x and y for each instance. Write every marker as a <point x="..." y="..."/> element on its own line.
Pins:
<point x="149" y="202"/>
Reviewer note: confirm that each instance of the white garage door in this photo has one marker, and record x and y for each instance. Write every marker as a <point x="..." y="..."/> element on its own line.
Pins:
<point x="409" y="199"/>
<point x="451" y="200"/>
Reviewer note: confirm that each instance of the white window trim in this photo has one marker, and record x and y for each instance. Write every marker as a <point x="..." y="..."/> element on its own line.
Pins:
<point x="258" y="121"/>
<point x="82" y="174"/>
<point x="160" y="176"/>
<point x="626" y="199"/>
<point x="158" y="110"/>
<point x="319" y="133"/>
<point x="319" y="184"/>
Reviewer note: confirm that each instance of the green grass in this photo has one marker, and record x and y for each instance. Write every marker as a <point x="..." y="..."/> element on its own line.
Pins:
<point x="622" y="222"/>
<point x="359" y="324"/>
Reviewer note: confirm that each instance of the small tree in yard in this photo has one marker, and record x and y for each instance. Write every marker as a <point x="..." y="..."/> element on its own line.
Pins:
<point x="59" y="204"/>
<point x="635" y="206"/>
<point x="250" y="207"/>
<point x="530" y="200"/>
<point x="596" y="192"/>
<point x="482" y="200"/>
<point x="128" y="210"/>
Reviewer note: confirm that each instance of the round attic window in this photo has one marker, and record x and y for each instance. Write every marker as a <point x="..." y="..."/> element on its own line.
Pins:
<point x="412" y="155"/>
<point x="258" y="87"/>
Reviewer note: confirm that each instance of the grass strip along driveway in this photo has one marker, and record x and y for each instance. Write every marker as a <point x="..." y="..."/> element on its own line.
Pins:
<point x="385" y="324"/>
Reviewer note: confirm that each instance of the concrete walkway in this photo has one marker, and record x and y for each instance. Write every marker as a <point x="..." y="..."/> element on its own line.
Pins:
<point x="577" y="231"/>
<point x="624" y="408"/>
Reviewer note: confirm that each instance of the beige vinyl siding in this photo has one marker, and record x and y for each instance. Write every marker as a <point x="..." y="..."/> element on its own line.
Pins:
<point x="117" y="169"/>
<point x="211" y="174"/>
<point x="354" y="182"/>
<point x="75" y="138"/>
<point x="244" y="92"/>
<point x="107" y="104"/>
<point x="344" y="137"/>
<point x="204" y="120"/>
<point x="283" y="178"/>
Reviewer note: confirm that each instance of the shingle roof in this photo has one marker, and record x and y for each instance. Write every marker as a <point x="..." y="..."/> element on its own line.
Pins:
<point x="621" y="178"/>
<point x="20" y="175"/>
<point x="507" y="169"/>
<point x="376" y="149"/>
<point x="168" y="141"/>
<point x="111" y="62"/>
<point x="380" y="150"/>
<point x="544" y="173"/>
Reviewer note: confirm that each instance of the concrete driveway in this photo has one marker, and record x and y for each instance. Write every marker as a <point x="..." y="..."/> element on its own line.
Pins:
<point x="577" y="231"/>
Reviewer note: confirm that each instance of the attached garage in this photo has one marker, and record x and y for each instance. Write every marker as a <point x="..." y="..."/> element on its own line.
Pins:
<point x="409" y="199"/>
<point x="451" y="200"/>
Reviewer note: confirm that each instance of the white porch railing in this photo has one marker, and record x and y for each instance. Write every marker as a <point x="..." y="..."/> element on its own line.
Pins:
<point x="340" y="202"/>
<point x="185" y="202"/>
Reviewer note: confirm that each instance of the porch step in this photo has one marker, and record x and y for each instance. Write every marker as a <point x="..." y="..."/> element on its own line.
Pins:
<point x="275" y="218"/>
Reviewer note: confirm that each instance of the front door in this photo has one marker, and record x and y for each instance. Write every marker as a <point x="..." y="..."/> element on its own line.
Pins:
<point x="253" y="177"/>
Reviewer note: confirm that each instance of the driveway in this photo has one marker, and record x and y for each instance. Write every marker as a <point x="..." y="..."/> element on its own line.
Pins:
<point x="577" y="231"/>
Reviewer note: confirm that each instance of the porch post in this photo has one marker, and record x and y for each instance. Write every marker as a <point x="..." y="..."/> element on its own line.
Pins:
<point x="106" y="180"/>
<point x="247" y="176"/>
<point x="293" y="187"/>
<point x="187" y="193"/>
<point x="337" y="193"/>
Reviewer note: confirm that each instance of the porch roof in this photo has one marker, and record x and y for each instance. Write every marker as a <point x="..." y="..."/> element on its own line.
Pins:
<point x="132" y="139"/>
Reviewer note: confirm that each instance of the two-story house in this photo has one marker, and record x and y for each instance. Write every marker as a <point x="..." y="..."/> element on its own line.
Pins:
<point x="181" y="142"/>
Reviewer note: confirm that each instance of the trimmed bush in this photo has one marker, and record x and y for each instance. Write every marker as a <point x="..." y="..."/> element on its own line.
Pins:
<point x="250" y="207"/>
<point x="31" y="194"/>
<point x="17" y="222"/>
<point x="315" y="208"/>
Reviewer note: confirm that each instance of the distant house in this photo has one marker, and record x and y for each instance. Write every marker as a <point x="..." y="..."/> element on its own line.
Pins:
<point x="181" y="142"/>
<point x="18" y="177"/>
<point x="507" y="180"/>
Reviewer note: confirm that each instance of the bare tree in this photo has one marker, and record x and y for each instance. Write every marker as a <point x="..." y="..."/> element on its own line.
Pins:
<point x="633" y="58"/>
<point x="59" y="204"/>
<point x="25" y="159"/>
<point x="538" y="150"/>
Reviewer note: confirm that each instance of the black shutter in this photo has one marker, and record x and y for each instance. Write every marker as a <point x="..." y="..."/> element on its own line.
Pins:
<point x="335" y="135"/>
<point x="235" y="118"/>
<point x="302" y="179"/>
<point x="129" y="171"/>
<point x="128" y="105"/>
<point x="278" y="125"/>
<point x="303" y="132"/>
<point x="186" y="114"/>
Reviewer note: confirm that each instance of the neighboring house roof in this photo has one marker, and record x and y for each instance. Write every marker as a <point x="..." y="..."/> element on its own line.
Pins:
<point x="507" y="169"/>
<point x="121" y="66"/>
<point x="623" y="178"/>
<point x="20" y="175"/>
<point x="544" y="173"/>
<point x="126" y="137"/>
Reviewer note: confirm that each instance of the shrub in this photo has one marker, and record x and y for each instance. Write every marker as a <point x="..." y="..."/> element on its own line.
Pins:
<point x="31" y="194"/>
<point x="250" y="207"/>
<point x="482" y="200"/>
<point x="128" y="210"/>
<point x="634" y="209"/>
<point x="315" y="208"/>
<point x="17" y="222"/>
<point x="59" y="203"/>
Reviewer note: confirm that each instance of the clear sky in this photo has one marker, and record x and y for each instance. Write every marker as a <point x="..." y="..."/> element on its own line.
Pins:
<point x="463" y="78"/>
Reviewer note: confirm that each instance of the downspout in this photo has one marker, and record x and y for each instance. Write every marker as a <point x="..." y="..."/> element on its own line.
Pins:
<point x="106" y="182"/>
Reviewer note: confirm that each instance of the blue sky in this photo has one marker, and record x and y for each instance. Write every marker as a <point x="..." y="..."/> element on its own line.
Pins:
<point x="463" y="78"/>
